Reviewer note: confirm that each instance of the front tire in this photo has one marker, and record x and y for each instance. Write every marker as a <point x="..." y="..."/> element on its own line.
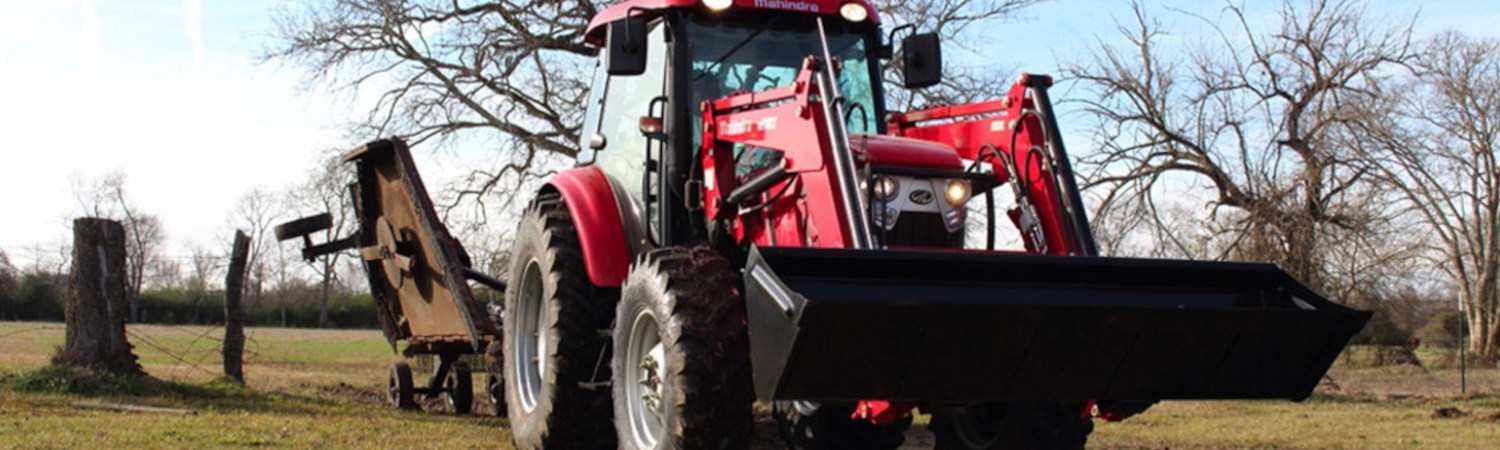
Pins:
<point x="1047" y="425"/>
<point x="682" y="354"/>
<point x="552" y="345"/>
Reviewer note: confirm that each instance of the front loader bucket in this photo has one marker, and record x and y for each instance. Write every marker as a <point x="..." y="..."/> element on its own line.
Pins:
<point x="918" y="326"/>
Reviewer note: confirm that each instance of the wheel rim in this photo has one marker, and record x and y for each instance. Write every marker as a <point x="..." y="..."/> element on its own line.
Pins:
<point x="805" y="407"/>
<point x="645" y="379"/>
<point x="529" y="346"/>
<point x="980" y="428"/>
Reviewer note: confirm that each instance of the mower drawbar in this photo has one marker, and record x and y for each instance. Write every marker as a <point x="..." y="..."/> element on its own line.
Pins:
<point x="934" y="326"/>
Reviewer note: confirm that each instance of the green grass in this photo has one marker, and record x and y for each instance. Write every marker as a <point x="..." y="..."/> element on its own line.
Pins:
<point x="1314" y="424"/>
<point x="306" y="388"/>
<point x="274" y="420"/>
<point x="315" y="388"/>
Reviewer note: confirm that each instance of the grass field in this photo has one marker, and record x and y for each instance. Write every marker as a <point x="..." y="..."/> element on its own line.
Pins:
<point x="316" y="388"/>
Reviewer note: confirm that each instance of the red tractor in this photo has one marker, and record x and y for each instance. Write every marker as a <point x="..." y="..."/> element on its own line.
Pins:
<point x="747" y="220"/>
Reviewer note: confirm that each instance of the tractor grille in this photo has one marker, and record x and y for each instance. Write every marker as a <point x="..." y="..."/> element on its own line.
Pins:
<point x="920" y="229"/>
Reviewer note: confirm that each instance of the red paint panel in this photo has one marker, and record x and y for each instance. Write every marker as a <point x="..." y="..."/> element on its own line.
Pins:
<point x="596" y="216"/>
<point x="906" y="152"/>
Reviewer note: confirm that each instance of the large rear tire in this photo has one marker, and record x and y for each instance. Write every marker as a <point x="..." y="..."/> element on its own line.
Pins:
<point x="1049" y="425"/>
<point x="682" y="354"/>
<point x="552" y="342"/>
<point x="811" y="426"/>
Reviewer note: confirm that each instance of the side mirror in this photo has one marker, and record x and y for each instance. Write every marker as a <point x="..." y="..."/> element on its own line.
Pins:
<point x="922" y="61"/>
<point x="626" y="44"/>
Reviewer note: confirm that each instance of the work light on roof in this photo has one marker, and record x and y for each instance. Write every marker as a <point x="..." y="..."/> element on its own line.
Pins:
<point x="854" y="12"/>
<point x="717" y="5"/>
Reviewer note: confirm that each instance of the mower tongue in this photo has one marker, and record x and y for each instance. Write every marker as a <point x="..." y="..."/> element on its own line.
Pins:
<point x="917" y="326"/>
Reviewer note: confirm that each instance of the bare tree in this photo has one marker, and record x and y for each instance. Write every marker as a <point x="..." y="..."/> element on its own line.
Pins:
<point x="963" y="26"/>
<point x="256" y="214"/>
<point x="325" y="191"/>
<point x="10" y="280"/>
<point x="203" y="266"/>
<point x="1438" y="147"/>
<point x="515" y="73"/>
<point x="1254" y="117"/>
<point x="50" y="258"/>
<point x="165" y="272"/>
<point x="145" y="235"/>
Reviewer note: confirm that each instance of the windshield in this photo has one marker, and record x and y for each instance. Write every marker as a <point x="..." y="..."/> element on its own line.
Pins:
<point x="754" y="57"/>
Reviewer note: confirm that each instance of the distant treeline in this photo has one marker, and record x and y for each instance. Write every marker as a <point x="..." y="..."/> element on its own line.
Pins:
<point x="39" y="297"/>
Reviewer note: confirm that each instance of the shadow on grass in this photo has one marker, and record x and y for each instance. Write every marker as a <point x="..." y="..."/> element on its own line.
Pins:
<point x="221" y="394"/>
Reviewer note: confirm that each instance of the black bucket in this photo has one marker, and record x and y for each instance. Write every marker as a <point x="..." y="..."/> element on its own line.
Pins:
<point x="918" y="326"/>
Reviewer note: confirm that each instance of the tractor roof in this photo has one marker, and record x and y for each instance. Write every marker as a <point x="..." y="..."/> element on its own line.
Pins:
<point x="595" y="33"/>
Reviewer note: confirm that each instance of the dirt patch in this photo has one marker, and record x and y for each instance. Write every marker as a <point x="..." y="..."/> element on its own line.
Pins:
<point x="1448" y="413"/>
<point x="1407" y="370"/>
<point x="1408" y="381"/>
<point x="367" y="394"/>
<point x="1493" y="417"/>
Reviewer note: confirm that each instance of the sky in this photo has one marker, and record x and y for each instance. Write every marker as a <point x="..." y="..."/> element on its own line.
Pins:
<point x="168" y="92"/>
<point x="172" y="94"/>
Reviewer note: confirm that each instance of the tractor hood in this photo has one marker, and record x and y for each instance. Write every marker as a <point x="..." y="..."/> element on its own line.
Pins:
<point x="896" y="151"/>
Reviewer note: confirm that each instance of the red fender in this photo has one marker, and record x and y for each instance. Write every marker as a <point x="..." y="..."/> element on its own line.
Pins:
<point x="596" y="216"/>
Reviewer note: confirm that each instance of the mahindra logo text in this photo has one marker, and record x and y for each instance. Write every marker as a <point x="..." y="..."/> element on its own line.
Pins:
<point x="787" y="4"/>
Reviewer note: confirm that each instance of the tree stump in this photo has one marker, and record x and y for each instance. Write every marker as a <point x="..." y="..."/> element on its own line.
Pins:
<point x="95" y="309"/>
<point x="234" y="315"/>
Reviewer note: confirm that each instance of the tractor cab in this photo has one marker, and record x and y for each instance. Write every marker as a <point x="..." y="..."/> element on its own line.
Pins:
<point x="662" y="62"/>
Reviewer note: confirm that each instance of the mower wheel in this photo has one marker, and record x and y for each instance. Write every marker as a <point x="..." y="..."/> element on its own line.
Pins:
<point x="811" y="426"/>
<point x="682" y="354"/>
<point x="496" y="390"/>
<point x="552" y="346"/>
<point x="1049" y="425"/>
<point x="399" y="389"/>
<point x="458" y="388"/>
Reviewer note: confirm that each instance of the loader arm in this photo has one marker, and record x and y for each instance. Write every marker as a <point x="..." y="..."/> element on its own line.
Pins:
<point x="1017" y="140"/>
<point x="815" y="165"/>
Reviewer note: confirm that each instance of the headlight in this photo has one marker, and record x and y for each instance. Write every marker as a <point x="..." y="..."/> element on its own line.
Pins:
<point x="885" y="188"/>
<point x="717" y="5"/>
<point x="854" y="12"/>
<point x="957" y="193"/>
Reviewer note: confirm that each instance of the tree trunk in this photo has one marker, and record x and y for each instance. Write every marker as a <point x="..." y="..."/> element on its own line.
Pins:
<point x="323" y="291"/>
<point x="234" y="315"/>
<point x="95" y="307"/>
